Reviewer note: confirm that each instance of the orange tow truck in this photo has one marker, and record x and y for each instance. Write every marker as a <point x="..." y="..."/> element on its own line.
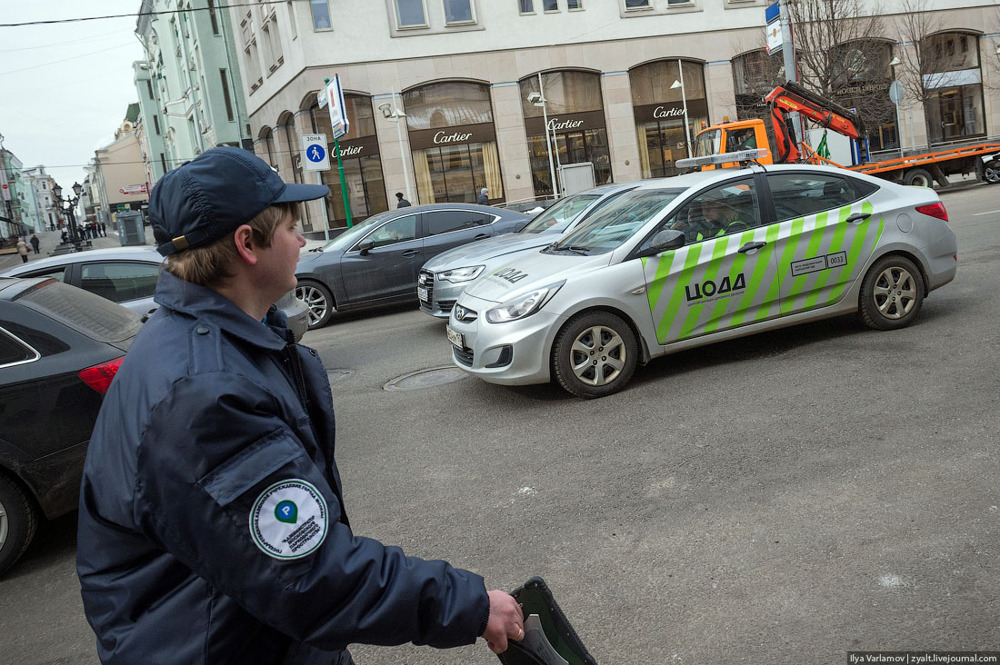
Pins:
<point x="922" y="169"/>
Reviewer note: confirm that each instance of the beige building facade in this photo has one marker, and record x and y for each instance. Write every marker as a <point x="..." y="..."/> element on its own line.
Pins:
<point x="445" y="97"/>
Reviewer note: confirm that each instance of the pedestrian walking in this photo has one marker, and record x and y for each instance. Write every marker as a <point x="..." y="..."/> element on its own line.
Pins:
<point x="212" y="523"/>
<point x="484" y="197"/>
<point x="401" y="202"/>
<point x="35" y="242"/>
<point x="22" y="249"/>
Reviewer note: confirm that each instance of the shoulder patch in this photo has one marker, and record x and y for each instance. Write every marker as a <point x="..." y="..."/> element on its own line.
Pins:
<point x="289" y="520"/>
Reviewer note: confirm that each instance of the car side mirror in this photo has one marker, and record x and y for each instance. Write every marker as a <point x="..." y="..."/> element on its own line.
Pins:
<point x="663" y="241"/>
<point x="366" y="247"/>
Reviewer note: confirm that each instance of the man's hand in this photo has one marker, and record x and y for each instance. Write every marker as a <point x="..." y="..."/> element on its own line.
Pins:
<point x="506" y="621"/>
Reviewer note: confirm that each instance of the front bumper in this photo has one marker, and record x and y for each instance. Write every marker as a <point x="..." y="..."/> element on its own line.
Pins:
<point x="437" y="297"/>
<point x="514" y="353"/>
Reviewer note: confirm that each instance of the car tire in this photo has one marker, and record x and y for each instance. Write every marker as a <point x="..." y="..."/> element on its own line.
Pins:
<point x="18" y="521"/>
<point x="595" y="354"/>
<point x="319" y="300"/>
<point x="991" y="173"/>
<point x="918" y="178"/>
<point x="891" y="294"/>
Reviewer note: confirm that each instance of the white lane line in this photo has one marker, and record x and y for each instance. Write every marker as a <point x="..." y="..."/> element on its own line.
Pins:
<point x="991" y="212"/>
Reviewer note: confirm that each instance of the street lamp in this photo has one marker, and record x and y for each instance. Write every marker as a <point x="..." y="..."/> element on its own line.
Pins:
<point x="392" y="113"/>
<point x="896" y="95"/>
<point x="538" y="99"/>
<point x="57" y="191"/>
<point x="680" y="84"/>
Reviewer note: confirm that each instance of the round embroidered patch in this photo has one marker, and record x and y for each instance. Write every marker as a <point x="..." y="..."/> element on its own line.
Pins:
<point x="289" y="520"/>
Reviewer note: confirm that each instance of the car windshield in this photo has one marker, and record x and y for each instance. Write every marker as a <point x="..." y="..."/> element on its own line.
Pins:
<point x="356" y="232"/>
<point x="708" y="143"/>
<point x="617" y="222"/>
<point x="559" y="215"/>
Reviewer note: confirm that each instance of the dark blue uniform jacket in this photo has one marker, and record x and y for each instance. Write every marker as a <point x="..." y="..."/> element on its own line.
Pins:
<point x="210" y="409"/>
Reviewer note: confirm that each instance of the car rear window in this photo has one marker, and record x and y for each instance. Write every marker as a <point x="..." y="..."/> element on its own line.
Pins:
<point x="91" y="315"/>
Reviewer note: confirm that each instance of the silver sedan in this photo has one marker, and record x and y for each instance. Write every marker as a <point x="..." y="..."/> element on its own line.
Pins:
<point x="700" y="258"/>
<point x="445" y="276"/>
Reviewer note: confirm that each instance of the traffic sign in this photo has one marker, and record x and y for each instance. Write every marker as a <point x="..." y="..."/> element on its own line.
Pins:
<point x="338" y="111"/>
<point x="315" y="155"/>
<point x="896" y="92"/>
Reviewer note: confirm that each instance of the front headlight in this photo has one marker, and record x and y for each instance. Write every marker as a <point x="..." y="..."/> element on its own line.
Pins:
<point x="459" y="275"/>
<point x="522" y="306"/>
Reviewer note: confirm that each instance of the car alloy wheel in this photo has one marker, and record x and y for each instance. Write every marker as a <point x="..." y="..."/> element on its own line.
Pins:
<point x="319" y="300"/>
<point x="595" y="354"/>
<point x="991" y="173"/>
<point x="891" y="293"/>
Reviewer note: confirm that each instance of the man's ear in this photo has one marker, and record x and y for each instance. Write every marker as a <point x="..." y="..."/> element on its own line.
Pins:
<point x="245" y="246"/>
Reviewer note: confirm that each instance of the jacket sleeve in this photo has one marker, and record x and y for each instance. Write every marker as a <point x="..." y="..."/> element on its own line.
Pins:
<point x="225" y="487"/>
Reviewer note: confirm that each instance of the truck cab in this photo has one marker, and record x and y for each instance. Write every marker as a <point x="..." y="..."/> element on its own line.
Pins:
<point x="733" y="137"/>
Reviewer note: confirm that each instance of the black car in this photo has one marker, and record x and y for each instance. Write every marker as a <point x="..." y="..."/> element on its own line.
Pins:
<point x="60" y="347"/>
<point x="377" y="261"/>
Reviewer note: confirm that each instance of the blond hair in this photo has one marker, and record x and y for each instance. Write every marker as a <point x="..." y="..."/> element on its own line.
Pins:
<point x="210" y="264"/>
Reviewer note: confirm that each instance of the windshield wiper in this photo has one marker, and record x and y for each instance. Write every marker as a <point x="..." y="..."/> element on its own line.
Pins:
<point x="576" y="249"/>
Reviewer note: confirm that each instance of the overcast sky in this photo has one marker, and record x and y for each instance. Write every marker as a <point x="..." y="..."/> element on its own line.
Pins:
<point x="65" y="87"/>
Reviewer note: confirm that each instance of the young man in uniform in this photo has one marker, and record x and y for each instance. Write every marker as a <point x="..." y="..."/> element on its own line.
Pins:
<point x="212" y="522"/>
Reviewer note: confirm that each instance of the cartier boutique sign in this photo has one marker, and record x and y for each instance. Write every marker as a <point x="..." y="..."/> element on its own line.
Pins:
<point x="570" y="122"/>
<point x="361" y="147"/>
<point x="446" y="136"/>
<point x="696" y="108"/>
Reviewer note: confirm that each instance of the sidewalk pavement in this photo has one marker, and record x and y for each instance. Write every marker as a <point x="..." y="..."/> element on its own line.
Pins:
<point x="48" y="241"/>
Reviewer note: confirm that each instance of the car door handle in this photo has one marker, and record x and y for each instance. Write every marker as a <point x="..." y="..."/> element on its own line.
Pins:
<point x="411" y="252"/>
<point x="751" y="246"/>
<point x="481" y="236"/>
<point x="860" y="217"/>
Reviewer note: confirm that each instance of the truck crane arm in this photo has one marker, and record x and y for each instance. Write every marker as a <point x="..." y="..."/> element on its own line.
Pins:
<point x="790" y="97"/>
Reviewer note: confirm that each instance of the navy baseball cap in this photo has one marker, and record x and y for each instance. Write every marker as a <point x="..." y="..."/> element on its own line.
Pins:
<point x="204" y="199"/>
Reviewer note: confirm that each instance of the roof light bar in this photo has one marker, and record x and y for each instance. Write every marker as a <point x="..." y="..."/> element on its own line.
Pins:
<point x="724" y="158"/>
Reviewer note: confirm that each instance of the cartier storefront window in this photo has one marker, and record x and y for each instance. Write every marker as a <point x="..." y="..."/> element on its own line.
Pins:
<point x="453" y="142"/>
<point x="660" y="96"/>
<point x="576" y="116"/>
<point x="362" y="164"/>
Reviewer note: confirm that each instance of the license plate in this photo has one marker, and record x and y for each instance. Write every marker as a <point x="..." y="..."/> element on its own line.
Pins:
<point x="454" y="337"/>
<point x="422" y="294"/>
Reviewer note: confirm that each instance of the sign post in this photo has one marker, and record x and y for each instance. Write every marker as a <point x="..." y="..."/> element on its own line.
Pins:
<point x="896" y="95"/>
<point x="340" y="126"/>
<point x="316" y="158"/>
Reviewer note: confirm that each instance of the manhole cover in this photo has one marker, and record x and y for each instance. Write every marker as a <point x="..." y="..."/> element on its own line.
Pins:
<point x="426" y="378"/>
<point x="338" y="375"/>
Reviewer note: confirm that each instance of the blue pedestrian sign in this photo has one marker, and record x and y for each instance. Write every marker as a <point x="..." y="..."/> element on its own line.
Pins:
<point x="314" y="152"/>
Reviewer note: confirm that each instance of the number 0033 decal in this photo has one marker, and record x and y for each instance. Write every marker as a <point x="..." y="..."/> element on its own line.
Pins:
<point x="289" y="520"/>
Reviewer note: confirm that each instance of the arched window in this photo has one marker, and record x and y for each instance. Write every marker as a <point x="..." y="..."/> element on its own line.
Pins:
<point x="453" y="141"/>
<point x="359" y="153"/>
<point x="668" y="101"/>
<point x="860" y="80"/>
<point x="575" y="110"/>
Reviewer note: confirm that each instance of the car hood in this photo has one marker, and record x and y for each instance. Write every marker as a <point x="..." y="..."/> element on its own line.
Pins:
<point x="532" y="271"/>
<point x="490" y="248"/>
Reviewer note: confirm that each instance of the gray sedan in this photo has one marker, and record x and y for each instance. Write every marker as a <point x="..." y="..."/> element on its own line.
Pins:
<point x="127" y="276"/>
<point x="376" y="261"/>
<point x="445" y="276"/>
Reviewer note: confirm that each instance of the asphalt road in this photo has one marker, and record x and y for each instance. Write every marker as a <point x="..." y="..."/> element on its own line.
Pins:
<point x="784" y="498"/>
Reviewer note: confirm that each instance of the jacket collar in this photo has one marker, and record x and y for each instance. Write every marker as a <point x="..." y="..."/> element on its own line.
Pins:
<point x="211" y="307"/>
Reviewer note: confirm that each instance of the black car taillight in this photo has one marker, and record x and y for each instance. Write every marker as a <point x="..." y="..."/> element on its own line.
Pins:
<point x="934" y="210"/>
<point x="99" y="377"/>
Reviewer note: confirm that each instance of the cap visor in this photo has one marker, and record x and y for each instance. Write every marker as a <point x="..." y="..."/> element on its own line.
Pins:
<point x="295" y="192"/>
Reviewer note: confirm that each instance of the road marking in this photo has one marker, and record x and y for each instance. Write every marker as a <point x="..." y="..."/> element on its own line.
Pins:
<point x="991" y="212"/>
